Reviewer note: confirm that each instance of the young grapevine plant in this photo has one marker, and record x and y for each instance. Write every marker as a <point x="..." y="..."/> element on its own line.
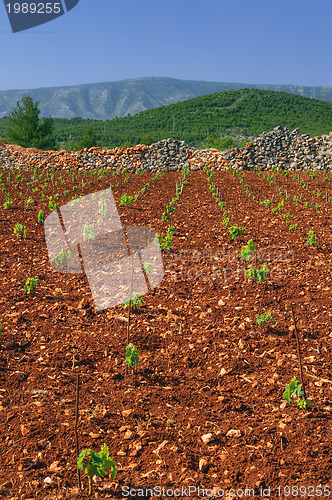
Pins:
<point x="125" y="199"/>
<point x="20" y="231"/>
<point x="257" y="274"/>
<point x="235" y="231"/>
<point x="41" y="217"/>
<point x="312" y="239"/>
<point x="295" y="389"/>
<point x="266" y="316"/>
<point x="165" y="243"/>
<point x="248" y="250"/>
<point x="132" y="356"/>
<point x="30" y="285"/>
<point x="135" y="302"/>
<point x="96" y="464"/>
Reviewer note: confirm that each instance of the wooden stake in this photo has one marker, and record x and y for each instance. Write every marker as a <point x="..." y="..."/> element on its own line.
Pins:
<point x="129" y="303"/>
<point x="31" y="261"/>
<point x="257" y="240"/>
<point x="261" y="303"/>
<point x="128" y="324"/>
<point x="76" y="434"/>
<point x="298" y="351"/>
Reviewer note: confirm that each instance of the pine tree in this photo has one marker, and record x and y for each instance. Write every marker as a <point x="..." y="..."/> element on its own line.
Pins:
<point x="89" y="139"/>
<point x="27" y="129"/>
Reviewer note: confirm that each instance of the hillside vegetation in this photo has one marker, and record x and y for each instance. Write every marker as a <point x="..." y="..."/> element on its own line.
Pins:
<point x="204" y="121"/>
<point x="106" y="100"/>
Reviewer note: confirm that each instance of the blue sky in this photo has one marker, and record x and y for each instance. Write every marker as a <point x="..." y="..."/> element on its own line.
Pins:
<point x="257" y="41"/>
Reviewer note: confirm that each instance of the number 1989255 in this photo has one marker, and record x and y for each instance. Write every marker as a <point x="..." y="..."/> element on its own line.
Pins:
<point x="34" y="8"/>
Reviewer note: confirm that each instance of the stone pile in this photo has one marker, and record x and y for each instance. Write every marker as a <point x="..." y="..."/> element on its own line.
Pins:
<point x="169" y="153"/>
<point x="280" y="148"/>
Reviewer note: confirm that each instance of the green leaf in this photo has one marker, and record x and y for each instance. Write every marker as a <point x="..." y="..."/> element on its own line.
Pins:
<point x="132" y="356"/>
<point x="97" y="464"/>
<point x="287" y="394"/>
<point x="304" y="403"/>
<point x="248" y="250"/>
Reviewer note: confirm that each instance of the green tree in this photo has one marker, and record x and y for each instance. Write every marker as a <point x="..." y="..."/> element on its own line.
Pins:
<point x="89" y="139"/>
<point x="147" y="139"/>
<point x="27" y="129"/>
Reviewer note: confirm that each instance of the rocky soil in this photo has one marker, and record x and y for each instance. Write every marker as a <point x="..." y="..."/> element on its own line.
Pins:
<point x="204" y="408"/>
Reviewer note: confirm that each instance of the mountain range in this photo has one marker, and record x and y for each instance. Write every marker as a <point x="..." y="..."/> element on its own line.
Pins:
<point x="104" y="101"/>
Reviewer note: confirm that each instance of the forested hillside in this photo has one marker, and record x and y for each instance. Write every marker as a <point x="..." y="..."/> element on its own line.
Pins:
<point x="239" y="113"/>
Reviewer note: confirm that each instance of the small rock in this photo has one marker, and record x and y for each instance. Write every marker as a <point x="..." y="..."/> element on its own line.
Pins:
<point x="207" y="438"/>
<point x="234" y="433"/>
<point x="94" y="435"/>
<point x="241" y="343"/>
<point x="133" y="466"/>
<point x="83" y="304"/>
<point x="203" y="465"/>
<point x="122" y="319"/>
<point x="160" y="447"/>
<point x="127" y="413"/>
<point x="223" y="372"/>
<point x="128" y="434"/>
<point x="54" y="467"/>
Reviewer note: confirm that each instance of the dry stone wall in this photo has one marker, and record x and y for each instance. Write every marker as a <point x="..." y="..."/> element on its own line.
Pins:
<point x="280" y="148"/>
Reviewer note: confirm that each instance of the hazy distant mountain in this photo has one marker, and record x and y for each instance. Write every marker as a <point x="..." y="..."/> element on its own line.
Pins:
<point x="102" y="101"/>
